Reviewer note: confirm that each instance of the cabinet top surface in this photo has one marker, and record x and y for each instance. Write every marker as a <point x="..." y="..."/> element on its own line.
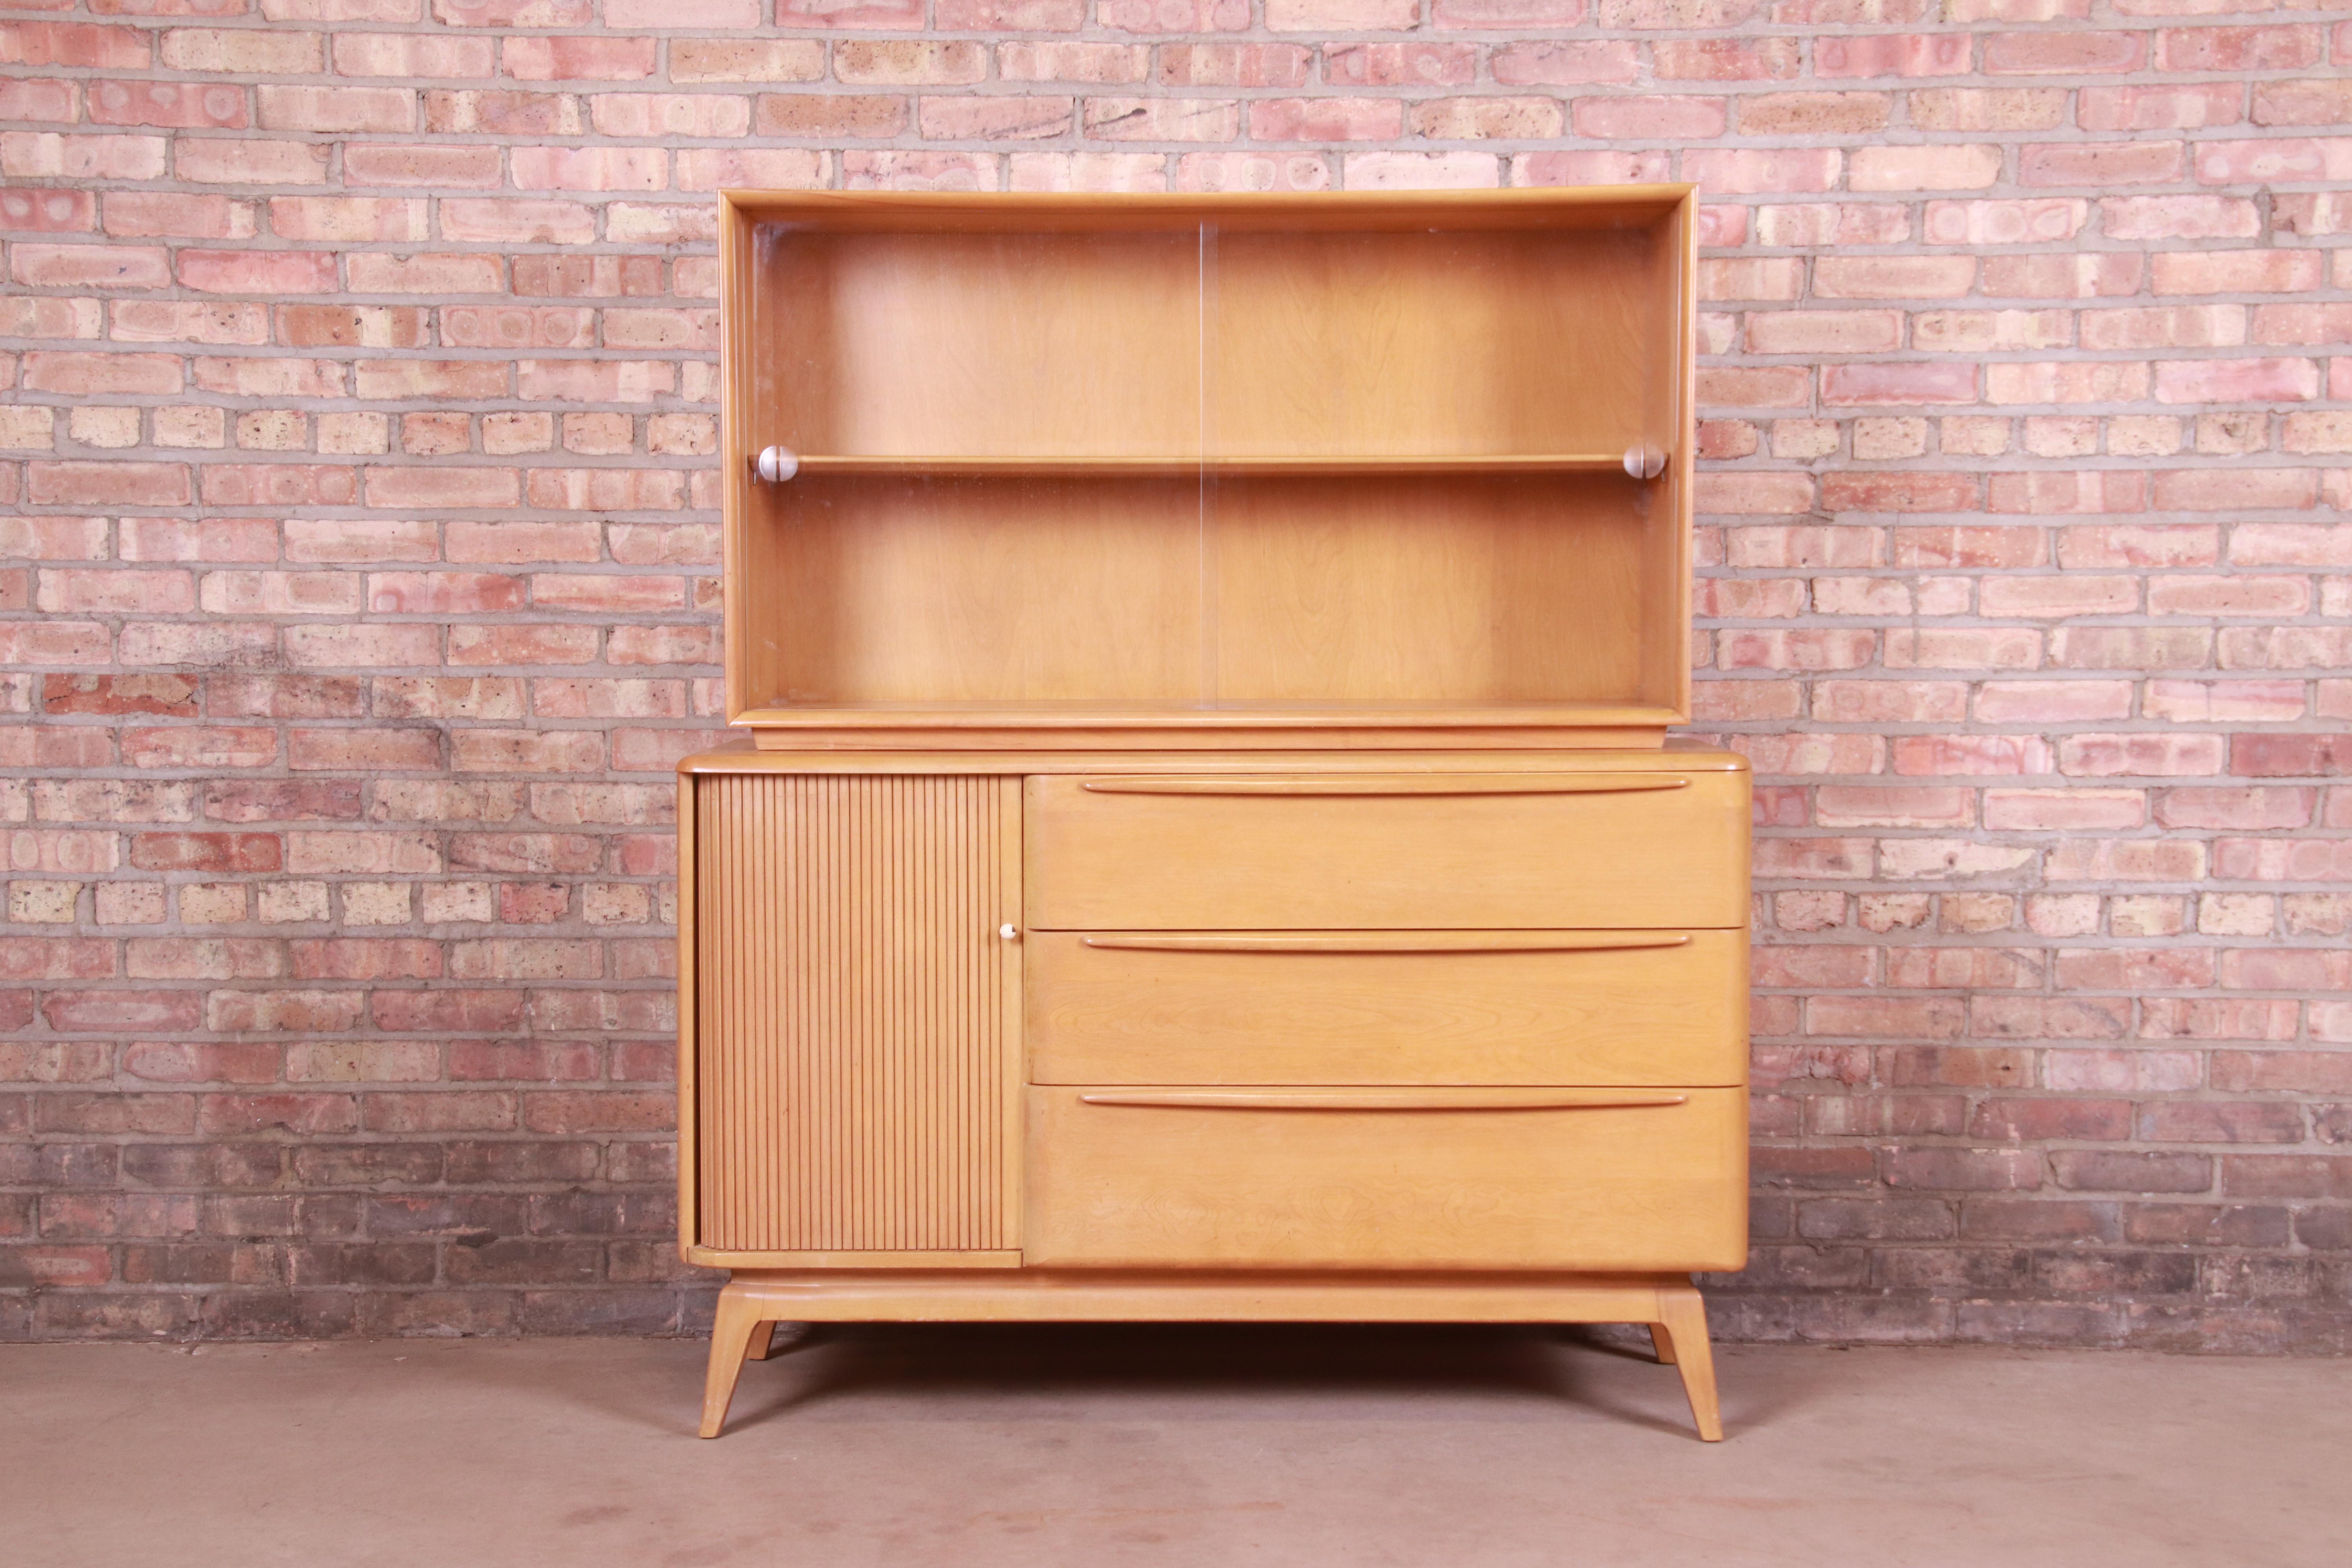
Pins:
<point x="1567" y="207"/>
<point x="1677" y="755"/>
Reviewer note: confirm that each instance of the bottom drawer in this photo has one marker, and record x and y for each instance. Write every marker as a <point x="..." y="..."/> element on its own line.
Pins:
<point x="1513" y="1178"/>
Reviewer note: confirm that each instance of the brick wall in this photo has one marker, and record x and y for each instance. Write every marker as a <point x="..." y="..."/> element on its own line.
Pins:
<point x="357" y="592"/>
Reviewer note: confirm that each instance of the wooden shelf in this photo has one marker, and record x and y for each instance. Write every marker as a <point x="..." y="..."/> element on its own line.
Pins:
<point x="1124" y="715"/>
<point x="790" y="726"/>
<point x="837" y="465"/>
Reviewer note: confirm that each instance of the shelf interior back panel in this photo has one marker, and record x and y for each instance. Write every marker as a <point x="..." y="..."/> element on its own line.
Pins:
<point x="1452" y="341"/>
<point x="1479" y="591"/>
<point x="1082" y="343"/>
<point x="957" y="591"/>
<point x="1254" y="343"/>
<point x="965" y="591"/>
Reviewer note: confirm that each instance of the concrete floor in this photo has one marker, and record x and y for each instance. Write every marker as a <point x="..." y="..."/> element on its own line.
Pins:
<point x="1096" y="1447"/>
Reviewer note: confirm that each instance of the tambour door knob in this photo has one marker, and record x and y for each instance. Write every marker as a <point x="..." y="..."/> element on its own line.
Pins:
<point x="1009" y="931"/>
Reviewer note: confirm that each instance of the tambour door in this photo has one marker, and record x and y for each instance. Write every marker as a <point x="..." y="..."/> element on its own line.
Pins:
<point x="856" y="1017"/>
<point x="1662" y="846"/>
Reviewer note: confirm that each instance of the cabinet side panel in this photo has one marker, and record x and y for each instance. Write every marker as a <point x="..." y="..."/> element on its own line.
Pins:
<point x="851" y="1013"/>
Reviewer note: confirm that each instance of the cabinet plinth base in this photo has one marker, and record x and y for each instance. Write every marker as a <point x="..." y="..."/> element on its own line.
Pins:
<point x="752" y="1301"/>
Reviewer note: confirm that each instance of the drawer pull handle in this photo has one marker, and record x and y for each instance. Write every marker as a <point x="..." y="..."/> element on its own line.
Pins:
<point x="1402" y="941"/>
<point x="1384" y="1099"/>
<point x="1621" y="783"/>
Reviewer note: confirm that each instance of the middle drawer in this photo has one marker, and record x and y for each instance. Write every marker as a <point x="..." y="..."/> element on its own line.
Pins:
<point x="1587" y="1007"/>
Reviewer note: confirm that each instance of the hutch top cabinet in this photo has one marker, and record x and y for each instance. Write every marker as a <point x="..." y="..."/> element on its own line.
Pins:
<point x="1179" y="471"/>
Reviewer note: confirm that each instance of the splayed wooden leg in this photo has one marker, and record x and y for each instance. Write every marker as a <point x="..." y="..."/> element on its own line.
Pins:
<point x="1685" y="1326"/>
<point x="1662" y="1343"/>
<point x="731" y="1332"/>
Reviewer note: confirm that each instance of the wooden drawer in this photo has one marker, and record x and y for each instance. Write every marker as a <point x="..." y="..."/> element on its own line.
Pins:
<point x="1509" y="1178"/>
<point x="1424" y="851"/>
<point x="1629" y="1007"/>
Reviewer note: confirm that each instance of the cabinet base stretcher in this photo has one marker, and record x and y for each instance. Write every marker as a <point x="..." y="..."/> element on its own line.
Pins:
<point x="754" y="1301"/>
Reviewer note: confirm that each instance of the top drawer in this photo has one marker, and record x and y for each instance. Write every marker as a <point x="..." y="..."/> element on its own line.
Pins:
<point x="1401" y="852"/>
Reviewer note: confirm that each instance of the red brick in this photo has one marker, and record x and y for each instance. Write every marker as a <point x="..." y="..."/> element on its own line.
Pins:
<point x="1873" y="806"/>
<point x="2100" y="164"/>
<point x="88" y="265"/>
<point x="1650" y="118"/>
<point x="764" y="61"/>
<point x="1175" y="15"/>
<point x="264" y="272"/>
<point x="180" y="105"/>
<point x="2221" y="1121"/>
<point x="205" y="852"/>
<point x="2062" y="277"/>
<point x="2238" y="48"/>
<point x="598" y="1111"/>
<point x="504" y="12"/>
<point x="576" y="57"/>
<point x="74" y="44"/>
<point x="36" y="211"/>
<point x="1811" y="114"/>
<point x="2169" y="107"/>
<point x="1936" y="168"/>
<point x="589" y="168"/>
<point x="278" y="484"/>
<point x="1893" y="54"/>
<point x="305" y="1115"/>
<point x="517" y="222"/>
<point x="2303" y="324"/>
<point x="831" y="115"/>
<point x="89" y="374"/>
<point x="178" y="215"/>
<point x="2322" y="101"/>
<point x="1964" y="1170"/>
<point x="1893" y="492"/>
<point x="1726" y="60"/>
<point x="443" y="592"/>
<point x="1893" y="277"/>
<point x="1722" y="172"/>
<point x="2040" y="1120"/>
<point x="74" y="642"/>
<point x="1896" y="385"/>
<point x="2236" y="381"/>
<point x="442" y="487"/>
<point x="2180" y="217"/>
<point x="1325" y="120"/>
<point x="907" y="15"/>
<point x="2195" y="490"/>
<point x="107" y="484"/>
<point x="1351" y="65"/>
<point x="1562" y="63"/>
<point x="109" y="1012"/>
<point x="2071" y="52"/>
<point x="2291" y="756"/>
<point x="38" y="99"/>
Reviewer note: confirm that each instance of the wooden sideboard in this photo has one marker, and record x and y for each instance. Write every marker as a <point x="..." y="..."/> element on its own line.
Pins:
<point x="1207" y="846"/>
